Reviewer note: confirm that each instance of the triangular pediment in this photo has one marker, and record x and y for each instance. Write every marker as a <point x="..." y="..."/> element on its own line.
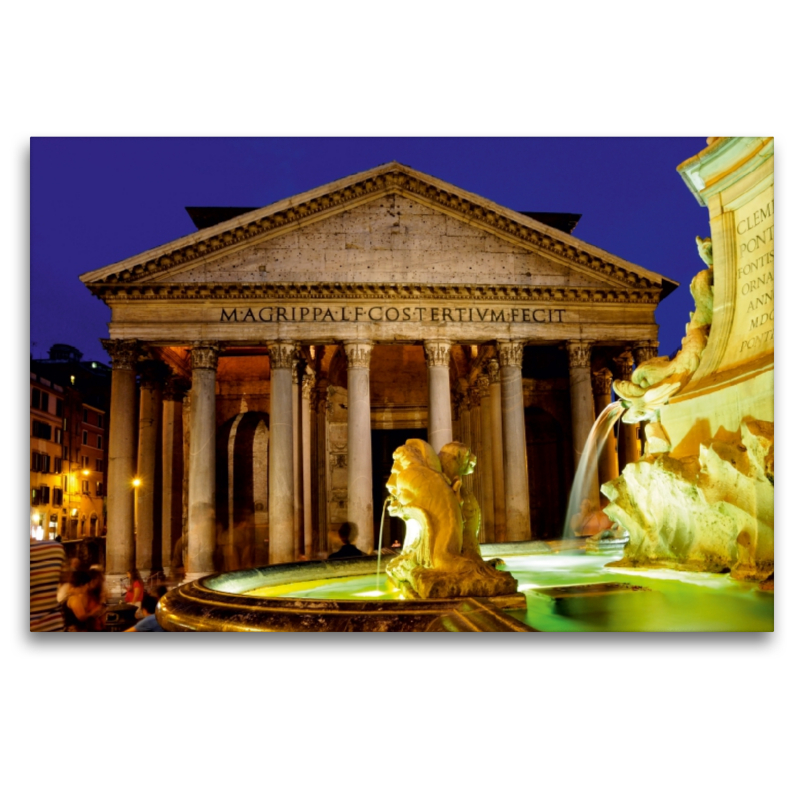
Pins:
<point x="391" y="225"/>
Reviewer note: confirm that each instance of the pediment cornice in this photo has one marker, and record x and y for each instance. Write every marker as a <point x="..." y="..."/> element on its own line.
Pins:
<point x="282" y="217"/>
<point x="331" y="292"/>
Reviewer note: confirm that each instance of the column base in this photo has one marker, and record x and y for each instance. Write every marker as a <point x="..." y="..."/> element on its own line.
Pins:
<point x="194" y="576"/>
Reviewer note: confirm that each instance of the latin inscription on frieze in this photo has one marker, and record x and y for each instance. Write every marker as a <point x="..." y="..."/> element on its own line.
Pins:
<point x="754" y="315"/>
<point x="390" y="313"/>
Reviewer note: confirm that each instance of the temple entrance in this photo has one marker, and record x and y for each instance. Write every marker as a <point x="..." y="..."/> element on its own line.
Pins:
<point x="548" y="479"/>
<point x="241" y="497"/>
<point x="384" y="443"/>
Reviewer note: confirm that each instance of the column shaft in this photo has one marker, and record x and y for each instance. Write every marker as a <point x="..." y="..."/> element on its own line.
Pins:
<point x="607" y="463"/>
<point x="297" y="464"/>
<point x="582" y="406"/>
<point x="498" y="474"/>
<point x="359" y="445"/>
<point x="487" y="480"/>
<point x="201" y="531"/>
<point x="440" y="421"/>
<point x="121" y="462"/>
<point x="477" y="449"/>
<point x="149" y="418"/>
<point x="172" y="477"/>
<point x="281" y="446"/>
<point x="305" y="427"/>
<point x="515" y="455"/>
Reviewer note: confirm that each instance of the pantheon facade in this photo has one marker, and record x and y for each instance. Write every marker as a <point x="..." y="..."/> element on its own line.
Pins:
<point x="265" y="367"/>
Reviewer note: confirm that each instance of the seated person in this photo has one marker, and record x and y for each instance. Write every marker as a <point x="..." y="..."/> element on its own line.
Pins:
<point x="347" y="550"/>
<point x="148" y="623"/>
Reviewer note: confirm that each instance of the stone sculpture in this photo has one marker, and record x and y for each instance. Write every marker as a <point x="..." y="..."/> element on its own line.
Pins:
<point x="441" y="554"/>
<point x="655" y="381"/>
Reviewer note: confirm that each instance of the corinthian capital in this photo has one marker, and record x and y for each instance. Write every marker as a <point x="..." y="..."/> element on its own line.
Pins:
<point x="483" y="385"/>
<point x="601" y="382"/>
<point x="358" y="354"/>
<point x="510" y="353"/>
<point x="580" y="353"/>
<point x="624" y="364"/>
<point x="437" y="352"/>
<point x="124" y="352"/>
<point x="281" y="355"/>
<point x="205" y="355"/>
<point x="493" y="370"/>
<point x="308" y="385"/>
<point x="644" y="351"/>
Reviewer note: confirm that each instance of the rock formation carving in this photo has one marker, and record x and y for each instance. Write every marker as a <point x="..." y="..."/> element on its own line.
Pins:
<point x="441" y="555"/>
<point x="712" y="512"/>
<point x="655" y="381"/>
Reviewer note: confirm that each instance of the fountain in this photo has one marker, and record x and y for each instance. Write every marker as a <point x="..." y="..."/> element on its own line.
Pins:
<point x="695" y="512"/>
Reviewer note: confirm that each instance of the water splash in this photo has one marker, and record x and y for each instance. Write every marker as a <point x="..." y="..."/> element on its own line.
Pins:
<point x="380" y="542"/>
<point x="585" y="486"/>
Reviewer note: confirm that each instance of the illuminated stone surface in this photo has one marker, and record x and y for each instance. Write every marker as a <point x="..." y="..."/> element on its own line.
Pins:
<point x="703" y="496"/>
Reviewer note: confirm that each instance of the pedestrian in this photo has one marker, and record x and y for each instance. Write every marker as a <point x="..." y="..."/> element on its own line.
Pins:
<point x="47" y="559"/>
<point x="148" y="623"/>
<point x="135" y="591"/>
<point x="85" y="608"/>
<point x="347" y="550"/>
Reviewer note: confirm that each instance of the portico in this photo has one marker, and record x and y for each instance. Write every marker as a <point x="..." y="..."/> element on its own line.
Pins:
<point x="387" y="301"/>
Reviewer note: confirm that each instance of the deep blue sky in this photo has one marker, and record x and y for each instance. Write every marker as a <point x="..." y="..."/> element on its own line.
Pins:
<point x="95" y="201"/>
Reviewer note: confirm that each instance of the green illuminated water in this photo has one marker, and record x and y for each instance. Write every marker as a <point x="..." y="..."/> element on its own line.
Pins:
<point x="676" y="601"/>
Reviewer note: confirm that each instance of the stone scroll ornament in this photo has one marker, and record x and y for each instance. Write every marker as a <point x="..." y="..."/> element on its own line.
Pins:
<point x="656" y="380"/>
<point x="441" y="555"/>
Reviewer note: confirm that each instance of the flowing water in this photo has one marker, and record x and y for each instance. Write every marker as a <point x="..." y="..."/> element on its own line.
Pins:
<point x="585" y="485"/>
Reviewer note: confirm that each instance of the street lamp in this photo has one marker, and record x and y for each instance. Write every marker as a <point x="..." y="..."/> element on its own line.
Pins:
<point x="137" y="482"/>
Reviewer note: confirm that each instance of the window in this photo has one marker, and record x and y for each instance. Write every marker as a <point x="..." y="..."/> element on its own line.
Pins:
<point x="84" y="462"/>
<point x="36" y="462"/>
<point x="101" y="421"/>
<point x="65" y="453"/>
<point x="45" y="406"/>
<point x="99" y="442"/>
<point x="36" y="497"/>
<point x="85" y="487"/>
<point x="85" y="437"/>
<point x="41" y="430"/>
<point x="59" y="436"/>
<point x="45" y="462"/>
<point x="99" y="488"/>
<point x="36" y="398"/>
<point x="98" y="464"/>
<point x="57" y="464"/>
<point x="64" y="484"/>
<point x="85" y="417"/>
<point x="58" y="496"/>
<point x="45" y="494"/>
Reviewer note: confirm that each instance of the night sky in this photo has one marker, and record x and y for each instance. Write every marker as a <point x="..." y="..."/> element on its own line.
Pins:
<point x="95" y="201"/>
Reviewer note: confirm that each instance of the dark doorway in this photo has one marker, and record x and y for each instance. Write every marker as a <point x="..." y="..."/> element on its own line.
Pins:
<point x="384" y="443"/>
<point x="548" y="477"/>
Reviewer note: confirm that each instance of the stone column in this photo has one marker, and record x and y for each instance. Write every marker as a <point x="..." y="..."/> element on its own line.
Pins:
<point x="440" y="422"/>
<point x="477" y="449"/>
<point x="607" y="463"/>
<point x="582" y="405"/>
<point x="305" y="427"/>
<point x="515" y="454"/>
<point x="171" y="470"/>
<point x="201" y="533"/>
<point x="297" y="461"/>
<point x="487" y="477"/>
<point x="150" y="391"/>
<point x="465" y="418"/>
<point x="498" y="480"/>
<point x="359" y="445"/>
<point x="644" y="351"/>
<point x="319" y="459"/>
<point x="281" y="471"/>
<point x="121" y="462"/>
<point x="628" y="446"/>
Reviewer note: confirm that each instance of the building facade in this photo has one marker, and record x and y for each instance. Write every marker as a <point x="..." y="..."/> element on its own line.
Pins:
<point x="284" y="353"/>
<point x="69" y="445"/>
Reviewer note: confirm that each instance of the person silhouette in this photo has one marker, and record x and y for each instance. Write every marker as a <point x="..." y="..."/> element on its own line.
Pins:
<point x="347" y="550"/>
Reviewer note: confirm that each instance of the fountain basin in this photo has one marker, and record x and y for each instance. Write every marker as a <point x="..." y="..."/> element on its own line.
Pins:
<point x="562" y="588"/>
